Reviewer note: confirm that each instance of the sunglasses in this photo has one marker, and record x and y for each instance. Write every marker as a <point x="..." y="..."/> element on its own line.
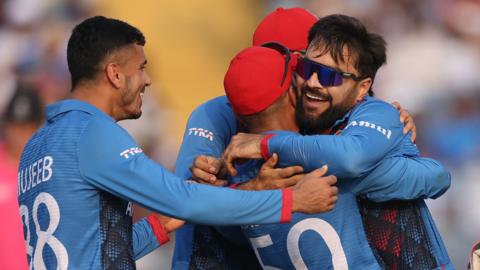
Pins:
<point x="327" y="76"/>
<point x="283" y="50"/>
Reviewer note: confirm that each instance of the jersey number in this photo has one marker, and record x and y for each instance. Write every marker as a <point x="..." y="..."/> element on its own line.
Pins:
<point x="323" y="228"/>
<point x="44" y="237"/>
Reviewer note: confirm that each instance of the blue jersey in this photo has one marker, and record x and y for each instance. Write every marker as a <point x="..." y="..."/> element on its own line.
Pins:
<point x="373" y="151"/>
<point x="76" y="178"/>
<point x="217" y="117"/>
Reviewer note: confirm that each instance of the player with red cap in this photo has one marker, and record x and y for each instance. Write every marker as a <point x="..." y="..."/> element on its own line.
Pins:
<point x="372" y="158"/>
<point x="208" y="131"/>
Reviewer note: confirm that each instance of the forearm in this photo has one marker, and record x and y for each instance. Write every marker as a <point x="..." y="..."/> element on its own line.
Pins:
<point x="147" y="235"/>
<point x="405" y="178"/>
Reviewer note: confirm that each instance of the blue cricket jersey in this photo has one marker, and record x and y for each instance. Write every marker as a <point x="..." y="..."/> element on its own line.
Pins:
<point x="216" y="117"/>
<point x="77" y="176"/>
<point x="373" y="151"/>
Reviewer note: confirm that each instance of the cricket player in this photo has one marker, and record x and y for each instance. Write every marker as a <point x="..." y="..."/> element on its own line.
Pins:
<point x="334" y="87"/>
<point x="80" y="172"/>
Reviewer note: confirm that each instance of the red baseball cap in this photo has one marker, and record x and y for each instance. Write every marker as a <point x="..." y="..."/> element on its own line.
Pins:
<point x="254" y="79"/>
<point x="286" y="26"/>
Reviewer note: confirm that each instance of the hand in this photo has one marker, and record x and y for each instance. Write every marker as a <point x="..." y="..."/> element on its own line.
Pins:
<point x="270" y="178"/>
<point x="207" y="170"/>
<point x="315" y="193"/>
<point x="170" y="224"/>
<point x="242" y="146"/>
<point x="407" y="119"/>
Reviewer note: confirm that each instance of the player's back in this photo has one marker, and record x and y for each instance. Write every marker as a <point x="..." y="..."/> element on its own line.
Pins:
<point x="69" y="223"/>
<point x="331" y="240"/>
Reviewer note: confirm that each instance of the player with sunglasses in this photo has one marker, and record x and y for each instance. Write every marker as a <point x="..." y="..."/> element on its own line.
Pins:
<point x="334" y="96"/>
<point x="209" y="130"/>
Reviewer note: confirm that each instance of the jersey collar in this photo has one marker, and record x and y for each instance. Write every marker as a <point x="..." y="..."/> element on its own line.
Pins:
<point x="73" y="105"/>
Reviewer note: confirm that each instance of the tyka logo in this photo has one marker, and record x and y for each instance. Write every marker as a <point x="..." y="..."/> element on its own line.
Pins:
<point x="201" y="133"/>
<point x="131" y="152"/>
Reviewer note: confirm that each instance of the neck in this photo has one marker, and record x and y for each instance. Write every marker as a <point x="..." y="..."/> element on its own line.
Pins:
<point x="282" y="120"/>
<point x="97" y="97"/>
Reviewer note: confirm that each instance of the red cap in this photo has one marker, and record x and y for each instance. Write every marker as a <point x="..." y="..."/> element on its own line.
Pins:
<point x="254" y="79"/>
<point x="287" y="26"/>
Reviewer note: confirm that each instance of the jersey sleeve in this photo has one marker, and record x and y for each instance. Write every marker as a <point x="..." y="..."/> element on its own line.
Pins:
<point x="404" y="178"/>
<point x="208" y="132"/>
<point x="110" y="160"/>
<point x="373" y="130"/>
<point x="144" y="239"/>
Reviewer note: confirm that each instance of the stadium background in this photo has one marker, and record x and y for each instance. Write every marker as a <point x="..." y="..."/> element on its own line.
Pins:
<point x="433" y="61"/>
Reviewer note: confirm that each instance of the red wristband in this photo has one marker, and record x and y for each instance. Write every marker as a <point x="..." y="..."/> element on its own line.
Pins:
<point x="287" y="203"/>
<point x="158" y="229"/>
<point x="264" y="146"/>
<point x="234" y="186"/>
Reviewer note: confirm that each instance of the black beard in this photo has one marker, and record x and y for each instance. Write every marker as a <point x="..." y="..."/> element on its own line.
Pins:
<point x="320" y="124"/>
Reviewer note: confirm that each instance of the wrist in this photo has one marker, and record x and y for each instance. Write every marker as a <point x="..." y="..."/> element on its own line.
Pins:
<point x="264" y="151"/>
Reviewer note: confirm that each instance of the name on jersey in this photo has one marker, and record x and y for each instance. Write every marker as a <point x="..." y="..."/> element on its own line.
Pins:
<point x="386" y="132"/>
<point x="130" y="152"/>
<point x="36" y="173"/>
<point x="200" y="132"/>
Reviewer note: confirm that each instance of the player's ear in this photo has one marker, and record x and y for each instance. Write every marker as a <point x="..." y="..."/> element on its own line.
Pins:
<point x="364" y="86"/>
<point x="114" y="75"/>
<point x="292" y="97"/>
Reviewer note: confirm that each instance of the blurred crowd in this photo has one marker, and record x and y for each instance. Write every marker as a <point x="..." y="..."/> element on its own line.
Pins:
<point x="433" y="61"/>
<point x="33" y="74"/>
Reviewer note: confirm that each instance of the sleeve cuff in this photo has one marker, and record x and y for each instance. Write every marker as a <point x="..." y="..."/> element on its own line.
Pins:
<point x="264" y="146"/>
<point x="235" y="186"/>
<point x="158" y="229"/>
<point x="287" y="202"/>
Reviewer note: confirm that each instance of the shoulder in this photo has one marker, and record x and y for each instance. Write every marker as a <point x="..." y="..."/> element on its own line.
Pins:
<point x="100" y="130"/>
<point x="374" y="108"/>
<point x="216" y="105"/>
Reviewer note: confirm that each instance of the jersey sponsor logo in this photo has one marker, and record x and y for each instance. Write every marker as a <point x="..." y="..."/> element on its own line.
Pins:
<point x="34" y="174"/>
<point x="131" y="152"/>
<point x="386" y="132"/>
<point x="200" y="132"/>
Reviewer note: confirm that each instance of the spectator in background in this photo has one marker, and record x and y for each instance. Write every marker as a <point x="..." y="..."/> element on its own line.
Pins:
<point x="21" y="118"/>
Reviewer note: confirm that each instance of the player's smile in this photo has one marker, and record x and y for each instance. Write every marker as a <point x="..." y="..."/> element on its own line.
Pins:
<point x="315" y="102"/>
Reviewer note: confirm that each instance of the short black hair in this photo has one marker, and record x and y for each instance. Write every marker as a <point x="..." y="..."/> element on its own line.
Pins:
<point x="93" y="40"/>
<point x="334" y="32"/>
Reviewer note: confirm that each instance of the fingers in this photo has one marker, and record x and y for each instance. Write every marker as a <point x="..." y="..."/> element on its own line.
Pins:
<point x="287" y="172"/>
<point x="292" y="181"/>
<point x="271" y="162"/>
<point x="397" y="105"/>
<point x="414" y="135"/>
<point x="230" y="167"/>
<point x="320" y="172"/>
<point x="208" y="164"/>
<point x="331" y="179"/>
<point x="201" y="175"/>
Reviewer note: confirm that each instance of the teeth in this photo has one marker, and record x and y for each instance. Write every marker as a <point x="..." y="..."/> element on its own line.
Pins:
<point x="314" y="97"/>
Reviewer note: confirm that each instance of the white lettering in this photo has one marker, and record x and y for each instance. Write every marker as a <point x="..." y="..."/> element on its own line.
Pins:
<point x="129" y="211"/>
<point x="200" y="132"/>
<point x="34" y="174"/>
<point x="131" y="152"/>
<point x="47" y="167"/>
<point x="39" y="170"/>
<point x="386" y="132"/>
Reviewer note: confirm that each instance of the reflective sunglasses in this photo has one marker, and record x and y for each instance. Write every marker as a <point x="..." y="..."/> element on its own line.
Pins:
<point x="283" y="50"/>
<point x="327" y="76"/>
